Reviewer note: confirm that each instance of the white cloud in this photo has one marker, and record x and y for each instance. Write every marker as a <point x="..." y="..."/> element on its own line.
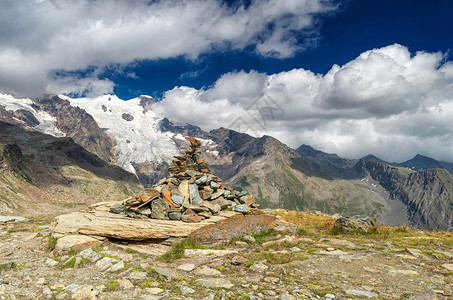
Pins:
<point x="39" y="37"/>
<point x="386" y="102"/>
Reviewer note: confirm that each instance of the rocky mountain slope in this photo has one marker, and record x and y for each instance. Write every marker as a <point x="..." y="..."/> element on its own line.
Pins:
<point x="43" y="175"/>
<point x="133" y="136"/>
<point x="427" y="194"/>
<point x="417" y="163"/>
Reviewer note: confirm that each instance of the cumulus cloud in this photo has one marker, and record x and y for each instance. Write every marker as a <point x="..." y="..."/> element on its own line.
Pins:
<point x="39" y="37"/>
<point x="387" y="101"/>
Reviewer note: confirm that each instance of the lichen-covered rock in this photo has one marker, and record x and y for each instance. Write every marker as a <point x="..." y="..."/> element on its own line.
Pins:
<point x="364" y="224"/>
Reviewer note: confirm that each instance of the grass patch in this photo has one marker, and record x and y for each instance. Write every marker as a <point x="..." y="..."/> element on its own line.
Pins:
<point x="111" y="286"/>
<point x="70" y="264"/>
<point x="97" y="249"/>
<point x="148" y="283"/>
<point x="303" y="232"/>
<point x="51" y="242"/>
<point x="177" y="250"/>
<point x="131" y="251"/>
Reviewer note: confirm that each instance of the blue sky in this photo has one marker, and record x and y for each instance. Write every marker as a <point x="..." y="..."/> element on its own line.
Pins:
<point x="351" y="77"/>
<point x="356" y="26"/>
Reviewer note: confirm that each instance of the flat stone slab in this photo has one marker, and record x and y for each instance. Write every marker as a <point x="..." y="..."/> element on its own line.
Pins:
<point x="103" y="223"/>
<point x="12" y="219"/>
<point x="76" y="242"/>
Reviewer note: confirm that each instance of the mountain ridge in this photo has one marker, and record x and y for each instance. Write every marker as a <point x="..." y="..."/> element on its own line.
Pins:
<point x="279" y="176"/>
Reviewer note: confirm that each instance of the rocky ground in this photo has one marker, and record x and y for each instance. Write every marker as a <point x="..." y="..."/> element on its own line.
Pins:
<point x="312" y="263"/>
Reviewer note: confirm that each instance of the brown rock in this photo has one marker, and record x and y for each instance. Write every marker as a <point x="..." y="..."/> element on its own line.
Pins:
<point x="195" y="143"/>
<point x="204" y="170"/>
<point x="151" y="192"/>
<point x="166" y="194"/>
<point x="225" y="230"/>
<point x="191" y="219"/>
<point x="213" y="207"/>
<point x="205" y="194"/>
<point x="255" y="211"/>
<point x="205" y="214"/>
<point x="189" y="212"/>
<point x="203" y="161"/>
<point x="239" y="260"/>
<point x="222" y="202"/>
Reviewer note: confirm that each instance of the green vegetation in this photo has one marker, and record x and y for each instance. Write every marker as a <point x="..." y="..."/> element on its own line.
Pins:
<point x="111" y="286"/>
<point x="177" y="249"/>
<point x="131" y="251"/>
<point x="51" y="242"/>
<point x="259" y="237"/>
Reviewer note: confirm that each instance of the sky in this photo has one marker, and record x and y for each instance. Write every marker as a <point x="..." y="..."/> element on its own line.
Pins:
<point x="349" y="77"/>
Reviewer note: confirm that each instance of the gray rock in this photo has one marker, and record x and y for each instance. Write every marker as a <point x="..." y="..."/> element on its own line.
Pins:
<point x="13" y="219"/>
<point x="287" y="297"/>
<point x="217" y="194"/>
<point x="117" y="209"/>
<point x="216" y="283"/>
<point x="195" y="198"/>
<point x="201" y="180"/>
<point x="428" y="295"/>
<point x="159" y="209"/>
<point x="259" y="267"/>
<point x="116" y="267"/>
<point x="162" y="181"/>
<point x="150" y="297"/>
<point x="222" y="202"/>
<point x="206" y="271"/>
<point x="214" y="185"/>
<point x="71" y="288"/>
<point x="193" y="173"/>
<point x="90" y="255"/>
<point x="186" y="290"/>
<point x="138" y="275"/>
<point x="51" y="262"/>
<point x="403" y="272"/>
<point x="178" y="199"/>
<point x="243" y="193"/>
<point x="170" y="274"/>
<point x="174" y="215"/>
<point x="364" y="224"/>
<point x="104" y="263"/>
<point x="242" y="208"/>
<point x="361" y="293"/>
<point x="186" y="267"/>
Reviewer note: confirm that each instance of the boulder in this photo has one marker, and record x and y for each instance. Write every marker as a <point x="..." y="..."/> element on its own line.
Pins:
<point x="75" y="242"/>
<point x="360" y="223"/>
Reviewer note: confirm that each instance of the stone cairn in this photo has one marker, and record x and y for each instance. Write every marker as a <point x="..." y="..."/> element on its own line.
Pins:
<point x="191" y="194"/>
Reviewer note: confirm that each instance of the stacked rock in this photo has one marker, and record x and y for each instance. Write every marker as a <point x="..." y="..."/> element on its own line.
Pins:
<point x="192" y="194"/>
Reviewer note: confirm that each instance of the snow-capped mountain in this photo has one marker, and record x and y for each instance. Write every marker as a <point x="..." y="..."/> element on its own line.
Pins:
<point x="127" y="133"/>
<point x="133" y="136"/>
<point x="134" y="129"/>
<point x="22" y="110"/>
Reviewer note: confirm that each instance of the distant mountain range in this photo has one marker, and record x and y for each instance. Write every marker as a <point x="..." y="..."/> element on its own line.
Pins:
<point x="131" y="135"/>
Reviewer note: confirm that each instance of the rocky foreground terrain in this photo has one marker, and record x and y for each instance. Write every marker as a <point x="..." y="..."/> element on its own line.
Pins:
<point x="310" y="260"/>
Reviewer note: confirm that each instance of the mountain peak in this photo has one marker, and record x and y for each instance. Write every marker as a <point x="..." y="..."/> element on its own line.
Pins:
<point x="372" y="158"/>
